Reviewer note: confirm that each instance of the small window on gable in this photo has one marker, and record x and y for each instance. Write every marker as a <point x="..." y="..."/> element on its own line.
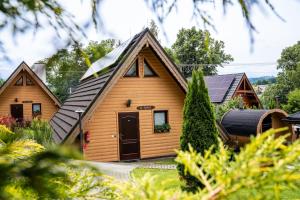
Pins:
<point x="29" y="81"/>
<point x="19" y="82"/>
<point x="133" y="70"/>
<point x="148" y="71"/>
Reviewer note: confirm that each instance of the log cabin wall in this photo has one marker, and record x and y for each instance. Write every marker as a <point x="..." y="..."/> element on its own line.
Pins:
<point x="162" y="92"/>
<point x="26" y="95"/>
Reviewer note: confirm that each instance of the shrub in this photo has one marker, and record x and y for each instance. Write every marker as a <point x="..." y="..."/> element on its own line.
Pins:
<point x="199" y="129"/>
<point x="29" y="171"/>
<point x="6" y="135"/>
<point x="9" y="122"/>
<point x="265" y="169"/>
<point x="38" y="130"/>
<point x="235" y="103"/>
<point x="293" y="103"/>
<point x="262" y="170"/>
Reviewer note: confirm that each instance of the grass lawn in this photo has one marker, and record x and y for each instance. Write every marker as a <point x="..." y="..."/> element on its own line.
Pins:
<point x="168" y="178"/>
<point x="166" y="161"/>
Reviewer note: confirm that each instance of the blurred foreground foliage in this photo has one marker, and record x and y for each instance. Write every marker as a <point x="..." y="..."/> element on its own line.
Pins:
<point x="264" y="169"/>
<point x="29" y="171"/>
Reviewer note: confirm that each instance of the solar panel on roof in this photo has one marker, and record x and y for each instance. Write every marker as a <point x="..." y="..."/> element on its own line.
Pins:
<point x="218" y="86"/>
<point x="107" y="60"/>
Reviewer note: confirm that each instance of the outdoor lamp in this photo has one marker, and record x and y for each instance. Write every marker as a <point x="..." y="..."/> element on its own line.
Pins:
<point x="277" y="101"/>
<point x="129" y="101"/>
<point x="80" y="112"/>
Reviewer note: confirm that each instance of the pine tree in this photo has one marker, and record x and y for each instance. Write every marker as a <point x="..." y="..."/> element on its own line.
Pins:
<point x="199" y="129"/>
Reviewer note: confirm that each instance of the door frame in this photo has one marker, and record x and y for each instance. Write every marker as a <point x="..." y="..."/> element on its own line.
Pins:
<point x="138" y="134"/>
<point x="11" y="106"/>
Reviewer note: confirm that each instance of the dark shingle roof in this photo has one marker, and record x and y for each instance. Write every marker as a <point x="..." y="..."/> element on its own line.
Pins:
<point x="293" y="118"/>
<point x="222" y="87"/>
<point x="85" y="94"/>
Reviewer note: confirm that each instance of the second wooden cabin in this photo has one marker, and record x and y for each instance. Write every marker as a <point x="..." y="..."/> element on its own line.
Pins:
<point x="24" y="96"/>
<point x="222" y="88"/>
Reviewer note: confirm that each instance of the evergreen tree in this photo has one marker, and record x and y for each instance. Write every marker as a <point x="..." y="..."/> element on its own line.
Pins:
<point x="153" y="28"/>
<point x="199" y="129"/>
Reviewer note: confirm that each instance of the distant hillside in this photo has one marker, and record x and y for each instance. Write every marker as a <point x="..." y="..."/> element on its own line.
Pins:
<point x="263" y="80"/>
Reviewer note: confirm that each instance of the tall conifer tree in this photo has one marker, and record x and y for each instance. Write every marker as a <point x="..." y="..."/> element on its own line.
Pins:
<point x="199" y="128"/>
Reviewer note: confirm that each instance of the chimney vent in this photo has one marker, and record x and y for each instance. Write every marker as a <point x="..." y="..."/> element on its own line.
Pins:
<point x="40" y="70"/>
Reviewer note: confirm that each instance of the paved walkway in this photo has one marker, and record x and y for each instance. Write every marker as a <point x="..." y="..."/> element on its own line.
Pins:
<point x="121" y="170"/>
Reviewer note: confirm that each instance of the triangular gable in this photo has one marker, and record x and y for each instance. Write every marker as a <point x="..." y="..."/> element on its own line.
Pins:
<point x="145" y="39"/>
<point x="245" y="80"/>
<point x="24" y="67"/>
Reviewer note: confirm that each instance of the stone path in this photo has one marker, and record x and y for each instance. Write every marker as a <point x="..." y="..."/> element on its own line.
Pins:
<point x="122" y="170"/>
<point x="156" y="166"/>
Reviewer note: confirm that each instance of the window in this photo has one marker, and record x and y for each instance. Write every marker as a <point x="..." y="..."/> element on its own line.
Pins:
<point x="133" y="71"/>
<point x="29" y="81"/>
<point x="148" y="71"/>
<point x="36" y="109"/>
<point x="19" y="81"/>
<point x="161" y="124"/>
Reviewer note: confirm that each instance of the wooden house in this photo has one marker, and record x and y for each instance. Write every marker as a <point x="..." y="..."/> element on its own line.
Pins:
<point x="24" y="96"/>
<point x="222" y="88"/>
<point x="132" y="101"/>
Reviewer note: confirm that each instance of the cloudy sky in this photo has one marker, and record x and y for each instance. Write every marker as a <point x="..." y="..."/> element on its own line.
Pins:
<point x="122" y="19"/>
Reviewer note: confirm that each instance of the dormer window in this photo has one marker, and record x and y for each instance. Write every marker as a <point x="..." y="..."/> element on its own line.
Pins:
<point x="148" y="71"/>
<point x="19" y="82"/>
<point x="29" y="81"/>
<point x="133" y="70"/>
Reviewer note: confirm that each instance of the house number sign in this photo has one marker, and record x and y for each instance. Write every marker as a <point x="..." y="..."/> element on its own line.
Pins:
<point x="145" y="107"/>
<point x="27" y="101"/>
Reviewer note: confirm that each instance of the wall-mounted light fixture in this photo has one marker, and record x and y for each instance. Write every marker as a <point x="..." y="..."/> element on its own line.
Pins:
<point x="80" y="112"/>
<point x="277" y="98"/>
<point x="16" y="99"/>
<point x="128" y="104"/>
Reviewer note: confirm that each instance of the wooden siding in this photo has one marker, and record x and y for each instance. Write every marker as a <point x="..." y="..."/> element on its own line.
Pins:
<point x="162" y="92"/>
<point x="32" y="93"/>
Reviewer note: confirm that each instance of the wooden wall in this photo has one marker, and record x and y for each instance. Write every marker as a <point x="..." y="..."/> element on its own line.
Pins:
<point x="162" y="92"/>
<point x="278" y="123"/>
<point x="32" y="93"/>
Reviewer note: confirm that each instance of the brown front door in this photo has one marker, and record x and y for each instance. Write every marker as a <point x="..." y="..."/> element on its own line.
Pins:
<point x="129" y="139"/>
<point x="16" y="111"/>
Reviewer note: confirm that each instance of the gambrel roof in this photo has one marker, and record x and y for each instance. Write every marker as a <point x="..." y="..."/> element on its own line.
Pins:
<point x="100" y="78"/>
<point x="24" y="67"/>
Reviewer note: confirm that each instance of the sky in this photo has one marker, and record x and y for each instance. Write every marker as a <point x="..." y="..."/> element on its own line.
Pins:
<point x="122" y="19"/>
